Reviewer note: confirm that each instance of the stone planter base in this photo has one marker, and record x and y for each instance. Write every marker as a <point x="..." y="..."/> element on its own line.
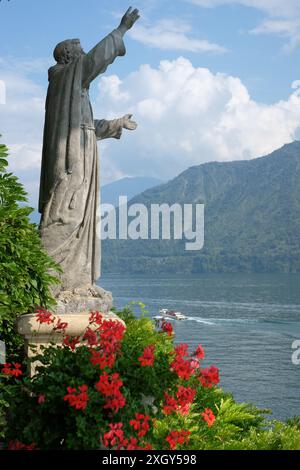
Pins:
<point x="42" y="335"/>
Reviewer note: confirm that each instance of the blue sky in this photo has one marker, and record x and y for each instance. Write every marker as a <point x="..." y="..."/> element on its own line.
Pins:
<point x="205" y="79"/>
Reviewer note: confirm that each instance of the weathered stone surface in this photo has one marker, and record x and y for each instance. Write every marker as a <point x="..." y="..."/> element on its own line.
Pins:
<point x="83" y="300"/>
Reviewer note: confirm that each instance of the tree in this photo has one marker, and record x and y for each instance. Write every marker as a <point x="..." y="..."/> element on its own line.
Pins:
<point x="24" y="266"/>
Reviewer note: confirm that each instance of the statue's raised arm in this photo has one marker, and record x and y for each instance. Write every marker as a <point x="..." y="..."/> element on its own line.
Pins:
<point x="104" y="53"/>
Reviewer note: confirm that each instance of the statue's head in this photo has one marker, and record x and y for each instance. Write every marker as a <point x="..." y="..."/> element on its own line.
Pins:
<point x="68" y="50"/>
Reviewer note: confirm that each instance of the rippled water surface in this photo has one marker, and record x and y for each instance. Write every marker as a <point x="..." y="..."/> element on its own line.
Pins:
<point x="246" y="322"/>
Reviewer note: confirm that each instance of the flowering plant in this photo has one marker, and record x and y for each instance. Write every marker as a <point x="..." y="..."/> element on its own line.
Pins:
<point x="124" y="388"/>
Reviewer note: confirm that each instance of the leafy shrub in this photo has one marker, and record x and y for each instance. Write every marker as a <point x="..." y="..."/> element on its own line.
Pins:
<point x="131" y="389"/>
<point x="24" y="266"/>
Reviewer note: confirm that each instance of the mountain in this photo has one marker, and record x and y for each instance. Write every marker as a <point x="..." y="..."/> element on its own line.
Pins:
<point x="252" y="219"/>
<point x="126" y="187"/>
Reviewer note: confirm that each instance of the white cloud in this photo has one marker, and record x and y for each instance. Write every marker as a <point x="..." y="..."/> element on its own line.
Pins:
<point x="283" y="17"/>
<point x="22" y="119"/>
<point x="286" y="8"/>
<point x="187" y="116"/>
<point x="172" y="35"/>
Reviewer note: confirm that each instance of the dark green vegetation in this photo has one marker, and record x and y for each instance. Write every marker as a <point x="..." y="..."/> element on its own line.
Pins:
<point x="252" y="219"/>
<point x="24" y="266"/>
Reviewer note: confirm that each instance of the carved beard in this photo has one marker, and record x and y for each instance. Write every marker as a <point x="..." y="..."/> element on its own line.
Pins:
<point x="73" y="54"/>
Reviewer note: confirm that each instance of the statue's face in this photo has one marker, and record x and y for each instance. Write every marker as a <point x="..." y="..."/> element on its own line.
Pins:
<point x="75" y="48"/>
<point x="68" y="50"/>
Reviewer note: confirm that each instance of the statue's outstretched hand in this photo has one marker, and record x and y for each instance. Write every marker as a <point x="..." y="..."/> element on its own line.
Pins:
<point x="128" y="20"/>
<point x="128" y="123"/>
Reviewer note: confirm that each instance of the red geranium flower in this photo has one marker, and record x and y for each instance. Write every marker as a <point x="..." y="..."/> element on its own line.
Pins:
<point x="102" y="359"/>
<point x="96" y="317"/>
<point x="167" y="328"/>
<point x="170" y="405"/>
<point x="114" y="437"/>
<point x="43" y="316"/>
<point x="13" y="370"/>
<point x="209" y="377"/>
<point x="77" y="399"/>
<point x="182" y="367"/>
<point x="71" y="341"/>
<point x="199" y="353"/>
<point x="60" y="325"/>
<point x="140" y="424"/>
<point x="147" y="359"/>
<point x="178" y="437"/>
<point x="132" y="444"/>
<point x="109" y="386"/>
<point x="208" y="416"/>
<point x="185" y="397"/>
<point x="91" y="337"/>
<point x="182" y="350"/>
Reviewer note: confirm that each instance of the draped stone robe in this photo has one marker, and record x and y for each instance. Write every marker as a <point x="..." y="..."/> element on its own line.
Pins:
<point x="69" y="188"/>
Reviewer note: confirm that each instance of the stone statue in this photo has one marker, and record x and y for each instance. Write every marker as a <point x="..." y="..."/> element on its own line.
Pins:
<point x="69" y="189"/>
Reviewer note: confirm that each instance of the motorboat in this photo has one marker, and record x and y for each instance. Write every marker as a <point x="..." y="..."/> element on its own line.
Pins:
<point x="166" y="313"/>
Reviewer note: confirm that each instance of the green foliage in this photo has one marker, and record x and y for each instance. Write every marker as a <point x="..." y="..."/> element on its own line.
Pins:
<point x="51" y="423"/>
<point x="24" y="266"/>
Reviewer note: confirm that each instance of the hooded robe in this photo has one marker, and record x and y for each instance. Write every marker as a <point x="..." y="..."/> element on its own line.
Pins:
<point x="69" y="188"/>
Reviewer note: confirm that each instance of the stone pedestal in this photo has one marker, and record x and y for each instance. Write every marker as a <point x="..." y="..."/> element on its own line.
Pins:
<point x="83" y="299"/>
<point x="39" y="335"/>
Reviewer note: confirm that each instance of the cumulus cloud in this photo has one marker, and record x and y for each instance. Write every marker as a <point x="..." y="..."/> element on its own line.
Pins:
<point x="189" y="115"/>
<point x="186" y="116"/>
<point x="172" y="35"/>
<point x="283" y="17"/>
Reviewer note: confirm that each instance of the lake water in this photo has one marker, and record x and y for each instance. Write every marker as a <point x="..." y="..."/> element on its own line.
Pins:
<point x="246" y="322"/>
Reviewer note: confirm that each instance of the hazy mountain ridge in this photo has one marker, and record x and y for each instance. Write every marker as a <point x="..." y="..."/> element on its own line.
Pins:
<point x="252" y="219"/>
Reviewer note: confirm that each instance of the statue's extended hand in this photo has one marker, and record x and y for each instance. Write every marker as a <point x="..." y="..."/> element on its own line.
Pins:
<point x="129" y="19"/>
<point x="128" y="123"/>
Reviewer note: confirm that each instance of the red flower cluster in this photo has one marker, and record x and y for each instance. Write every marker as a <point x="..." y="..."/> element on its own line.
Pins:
<point x="71" y="341"/>
<point x="199" y="353"/>
<point x="209" y="377"/>
<point x="17" y="445"/>
<point x="166" y="327"/>
<point x="112" y="331"/>
<point x="108" y="336"/>
<point x="109" y="386"/>
<point x="91" y="337"/>
<point x="185" y="397"/>
<point x="170" y="405"/>
<point x="114" y="437"/>
<point x="96" y="317"/>
<point x="180" y="365"/>
<point x="43" y="316"/>
<point x="178" y="437"/>
<point x="140" y="424"/>
<point x="182" y="350"/>
<point x="208" y="417"/>
<point x="101" y="359"/>
<point x="60" y="325"/>
<point x="147" y="359"/>
<point x="9" y="370"/>
<point x="77" y="399"/>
